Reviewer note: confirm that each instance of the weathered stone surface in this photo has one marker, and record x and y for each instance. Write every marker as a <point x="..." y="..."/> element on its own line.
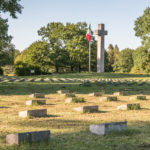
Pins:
<point x="95" y="94"/>
<point x="28" y="137"/>
<point x="85" y="109"/>
<point x="33" y="113"/>
<point x="108" y="98"/>
<point x="100" y="47"/>
<point x="36" y="102"/>
<point x="139" y="97"/>
<point x="102" y="129"/>
<point x="68" y="100"/>
<point x="69" y="95"/>
<point x="62" y="91"/>
<point x="75" y="100"/>
<point x="122" y="93"/>
<point x="129" y="107"/>
<point x="37" y="95"/>
<point x="86" y="83"/>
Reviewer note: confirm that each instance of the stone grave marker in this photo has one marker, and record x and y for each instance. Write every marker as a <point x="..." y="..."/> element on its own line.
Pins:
<point x="36" y="102"/>
<point x="28" y="137"/>
<point x="21" y="80"/>
<point x="129" y="107"/>
<point x="74" y="100"/>
<point x="85" y="109"/>
<point x="33" y="113"/>
<point x="31" y="80"/>
<point x="103" y="129"/>
<point x="37" y="95"/>
<point x="68" y="94"/>
<point x="95" y="94"/>
<point x="63" y="91"/>
<point x="138" y="97"/>
<point x="122" y="93"/>
<point x="108" y="98"/>
<point x="42" y="80"/>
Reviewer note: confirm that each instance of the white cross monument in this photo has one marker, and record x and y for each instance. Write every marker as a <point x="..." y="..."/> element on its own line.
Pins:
<point x="100" y="47"/>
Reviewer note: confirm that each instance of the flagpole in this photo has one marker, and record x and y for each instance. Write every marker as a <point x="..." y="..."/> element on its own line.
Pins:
<point x="89" y="56"/>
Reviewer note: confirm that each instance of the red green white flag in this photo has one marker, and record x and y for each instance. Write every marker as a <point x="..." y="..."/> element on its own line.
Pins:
<point x="89" y="34"/>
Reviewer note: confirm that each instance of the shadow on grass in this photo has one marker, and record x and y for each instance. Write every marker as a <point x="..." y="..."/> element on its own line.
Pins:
<point x="135" y="138"/>
<point x="50" y="122"/>
<point x="4" y="107"/>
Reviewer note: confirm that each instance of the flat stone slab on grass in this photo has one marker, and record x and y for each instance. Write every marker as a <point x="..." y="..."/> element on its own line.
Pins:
<point x="95" y="94"/>
<point x="28" y="137"/>
<point x="108" y="98"/>
<point x="36" y="102"/>
<point x="103" y="129"/>
<point x="138" y="97"/>
<point x="85" y="109"/>
<point x="37" y="95"/>
<point x="129" y="107"/>
<point x="75" y="100"/>
<point x="33" y="113"/>
<point x="63" y="91"/>
<point x="69" y="95"/>
<point x="123" y="93"/>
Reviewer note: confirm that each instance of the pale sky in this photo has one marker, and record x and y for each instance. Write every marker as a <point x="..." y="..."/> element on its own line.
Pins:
<point x="117" y="15"/>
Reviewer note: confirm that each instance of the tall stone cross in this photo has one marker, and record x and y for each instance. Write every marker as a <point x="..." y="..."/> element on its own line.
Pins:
<point x="100" y="47"/>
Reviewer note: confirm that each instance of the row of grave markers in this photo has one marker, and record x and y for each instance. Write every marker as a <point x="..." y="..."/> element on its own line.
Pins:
<point x="5" y="79"/>
<point x="99" y="129"/>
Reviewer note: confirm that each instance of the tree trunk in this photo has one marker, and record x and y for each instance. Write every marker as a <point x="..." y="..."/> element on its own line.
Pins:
<point x="79" y="67"/>
<point x="71" y="67"/>
<point x="57" y="69"/>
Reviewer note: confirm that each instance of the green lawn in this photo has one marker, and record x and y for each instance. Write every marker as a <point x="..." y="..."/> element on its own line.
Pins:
<point x="70" y="129"/>
<point x="93" y="75"/>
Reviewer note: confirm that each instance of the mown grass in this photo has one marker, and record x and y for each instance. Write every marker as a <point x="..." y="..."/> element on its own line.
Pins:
<point x="70" y="129"/>
<point x="89" y="75"/>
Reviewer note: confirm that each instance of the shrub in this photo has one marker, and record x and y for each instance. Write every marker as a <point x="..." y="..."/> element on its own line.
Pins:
<point x="23" y="69"/>
<point x="1" y="71"/>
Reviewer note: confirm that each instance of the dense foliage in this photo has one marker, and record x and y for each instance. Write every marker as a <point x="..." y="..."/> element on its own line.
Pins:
<point x="24" y="69"/>
<point x="1" y="71"/>
<point x="142" y="27"/>
<point x="124" y="62"/>
<point x="64" y="48"/>
<point x="141" y="57"/>
<point x="12" y="7"/>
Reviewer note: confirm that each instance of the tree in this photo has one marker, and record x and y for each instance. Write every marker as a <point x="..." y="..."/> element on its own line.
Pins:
<point x="38" y="55"/>
<point x="116" y="53"/>
<point x="141" y="58"/>
<point x="93" y="56"/>
<point x="110" y="57"/>
<point x="142" y="27"/>
<point x="113" y="52"/>
<point x="53" y="34"/>
<point x="124" y="62"/>
<point x="12" y="7"/>
<point x="67" y="44"/>
<point x="77" y="45"/>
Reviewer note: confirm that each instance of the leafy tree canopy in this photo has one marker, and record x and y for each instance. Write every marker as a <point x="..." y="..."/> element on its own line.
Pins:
<point x="142" y="27"/>
<point x="124" y="62"/>
<point x="12" y="7"/>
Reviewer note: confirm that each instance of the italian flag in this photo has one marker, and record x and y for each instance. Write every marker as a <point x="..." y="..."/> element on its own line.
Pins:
<point x="89" y="34"/>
